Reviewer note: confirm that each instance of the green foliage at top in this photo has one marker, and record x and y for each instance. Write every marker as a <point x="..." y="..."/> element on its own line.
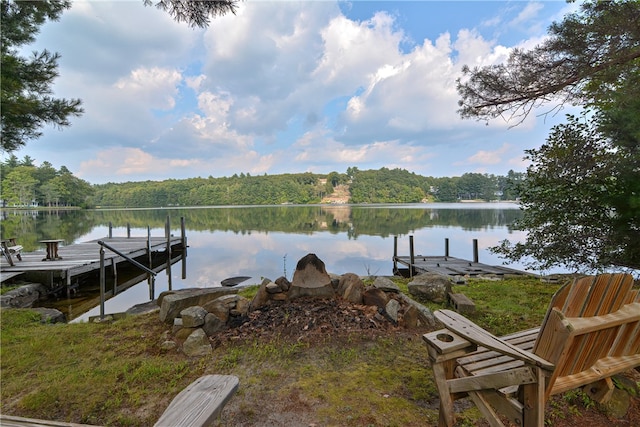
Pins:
<point x="26" y="95"/>
<point x="25" y="185"/>
<point x="581" y="195"/>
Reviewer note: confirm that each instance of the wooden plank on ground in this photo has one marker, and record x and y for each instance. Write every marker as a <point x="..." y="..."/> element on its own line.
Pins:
<point x="200" y="403"/>
<point x="12" y="421"/>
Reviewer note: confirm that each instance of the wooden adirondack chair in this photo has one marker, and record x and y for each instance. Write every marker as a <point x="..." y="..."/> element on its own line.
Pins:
<point x="591" y="331"/>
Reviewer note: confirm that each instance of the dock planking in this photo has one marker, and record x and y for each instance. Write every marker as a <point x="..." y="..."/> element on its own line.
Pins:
<point x="447" y="265"/>
<point x="81" y="258"/>
<point x="450" y="266"/>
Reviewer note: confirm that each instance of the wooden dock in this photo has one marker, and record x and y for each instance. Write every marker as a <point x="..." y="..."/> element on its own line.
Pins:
<point x="82" y="258"/>
<point x="446" y="265"/>
<point x="450" y="266"/>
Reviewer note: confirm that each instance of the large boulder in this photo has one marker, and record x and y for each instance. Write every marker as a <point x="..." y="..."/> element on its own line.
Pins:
<point x="311" y="279"/>
<point x="173" y="302"/>
<point x="430" y="287"/>
<point x="24" y="296"/>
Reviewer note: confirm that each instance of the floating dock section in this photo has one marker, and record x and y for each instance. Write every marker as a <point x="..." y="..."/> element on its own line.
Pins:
<point x="445" y="265"/>
<point x="79" y="259"/>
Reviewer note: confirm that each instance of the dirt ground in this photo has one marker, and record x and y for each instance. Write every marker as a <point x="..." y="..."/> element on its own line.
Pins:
<point x="312" y="320"/>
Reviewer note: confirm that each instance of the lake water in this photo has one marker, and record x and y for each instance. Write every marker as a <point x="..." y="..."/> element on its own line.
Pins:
<point x="268" y="241"/>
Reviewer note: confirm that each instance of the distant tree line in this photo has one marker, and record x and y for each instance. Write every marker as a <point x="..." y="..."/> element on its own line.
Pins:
<point x="370" y="186"/>
<point x="26" y="185"/>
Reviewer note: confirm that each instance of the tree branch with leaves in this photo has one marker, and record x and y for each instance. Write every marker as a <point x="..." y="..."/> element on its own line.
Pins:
<point x="578" y="64"/>
<point x="581" y="195"/>
<point x="26" y="83"/>
<point x="196" y="13"/>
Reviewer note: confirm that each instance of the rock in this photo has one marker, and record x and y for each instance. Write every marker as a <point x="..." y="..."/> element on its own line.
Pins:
<point x="50" y="315"/>
<point x="430" y="286"/>
<point x="385" y="284"/>
<point x="218" y="308"/>
<point x="335" y="280"/>
<point x="168" y="345"/>
<point x="351" y="288"/>
<point x="23" y="296"/>
<point x="283" y="283"/>
<point x="172" y="304"/>
<point x="345" y="281"/>
<point x="260" y="299"/>
<point x="197" y="344"/>
<point x="391" y="310"/>
<point x="375" y="297"/>
<point x="627" y="384"/>
<point x="273" y="288"/>
<point x="224" y="306"/>
<point x="183" y="333"/>
<point x="213" y="324"/>
<point x="425" y="316"/>
<point x="242" y="307"/>
<point x="279" y="297"/>
<point x="618" y="405"/>
<point x="411" y="317"/>
<point x="144" y="308"/>
<point x="311" y="279"/>
<point x="193" y="317"/>
<point x="177" y="325"/>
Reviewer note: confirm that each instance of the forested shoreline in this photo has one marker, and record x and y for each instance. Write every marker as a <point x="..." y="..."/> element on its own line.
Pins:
<point x="27" y="185"/>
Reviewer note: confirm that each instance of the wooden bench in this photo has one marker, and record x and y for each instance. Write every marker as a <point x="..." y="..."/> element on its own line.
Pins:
<point x="200" y="403"/>
<point x="9" y="247"/>
<point x="591" y="332"/>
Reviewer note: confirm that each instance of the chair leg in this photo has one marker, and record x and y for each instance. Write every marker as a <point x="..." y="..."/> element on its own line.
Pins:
<point x="447" y="416"/>
<point x="534" y="401"/>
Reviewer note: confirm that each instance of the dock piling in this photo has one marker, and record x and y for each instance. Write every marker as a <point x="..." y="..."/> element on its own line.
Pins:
<point x="475" y="251"/>
<point x="412" y="256"/>
<point x="183" y="236"/>
<point x="102" y="279"/>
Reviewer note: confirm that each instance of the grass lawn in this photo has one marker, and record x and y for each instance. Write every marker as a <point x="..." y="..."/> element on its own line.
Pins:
<point x="116" y="374"/>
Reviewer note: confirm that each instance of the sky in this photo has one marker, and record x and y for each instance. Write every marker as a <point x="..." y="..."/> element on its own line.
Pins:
<point x="285" y="87"/>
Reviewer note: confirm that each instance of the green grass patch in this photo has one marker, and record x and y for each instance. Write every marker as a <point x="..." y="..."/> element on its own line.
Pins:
<point x="115" y="374"/>
<point x="509" y="305"/>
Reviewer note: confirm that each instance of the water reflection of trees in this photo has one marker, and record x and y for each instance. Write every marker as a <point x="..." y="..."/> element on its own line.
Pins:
<point x="353" y="220"/>
<point x="29" y="227"/>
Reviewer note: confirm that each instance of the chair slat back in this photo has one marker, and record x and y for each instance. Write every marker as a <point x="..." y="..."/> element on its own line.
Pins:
<point x="587" y="297"/>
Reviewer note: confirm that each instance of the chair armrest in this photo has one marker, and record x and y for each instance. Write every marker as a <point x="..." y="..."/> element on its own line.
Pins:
<point x="474" y="333"/>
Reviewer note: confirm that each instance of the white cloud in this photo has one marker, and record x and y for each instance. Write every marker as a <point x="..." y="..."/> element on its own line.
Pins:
<point x="527" y="14"/>
<point x="279" y="87"/>
<point x="493" y="157"/>
<point x="152" y="87"/>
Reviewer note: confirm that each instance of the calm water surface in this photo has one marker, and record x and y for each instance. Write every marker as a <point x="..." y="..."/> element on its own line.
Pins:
<point x="268" y="241"/>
